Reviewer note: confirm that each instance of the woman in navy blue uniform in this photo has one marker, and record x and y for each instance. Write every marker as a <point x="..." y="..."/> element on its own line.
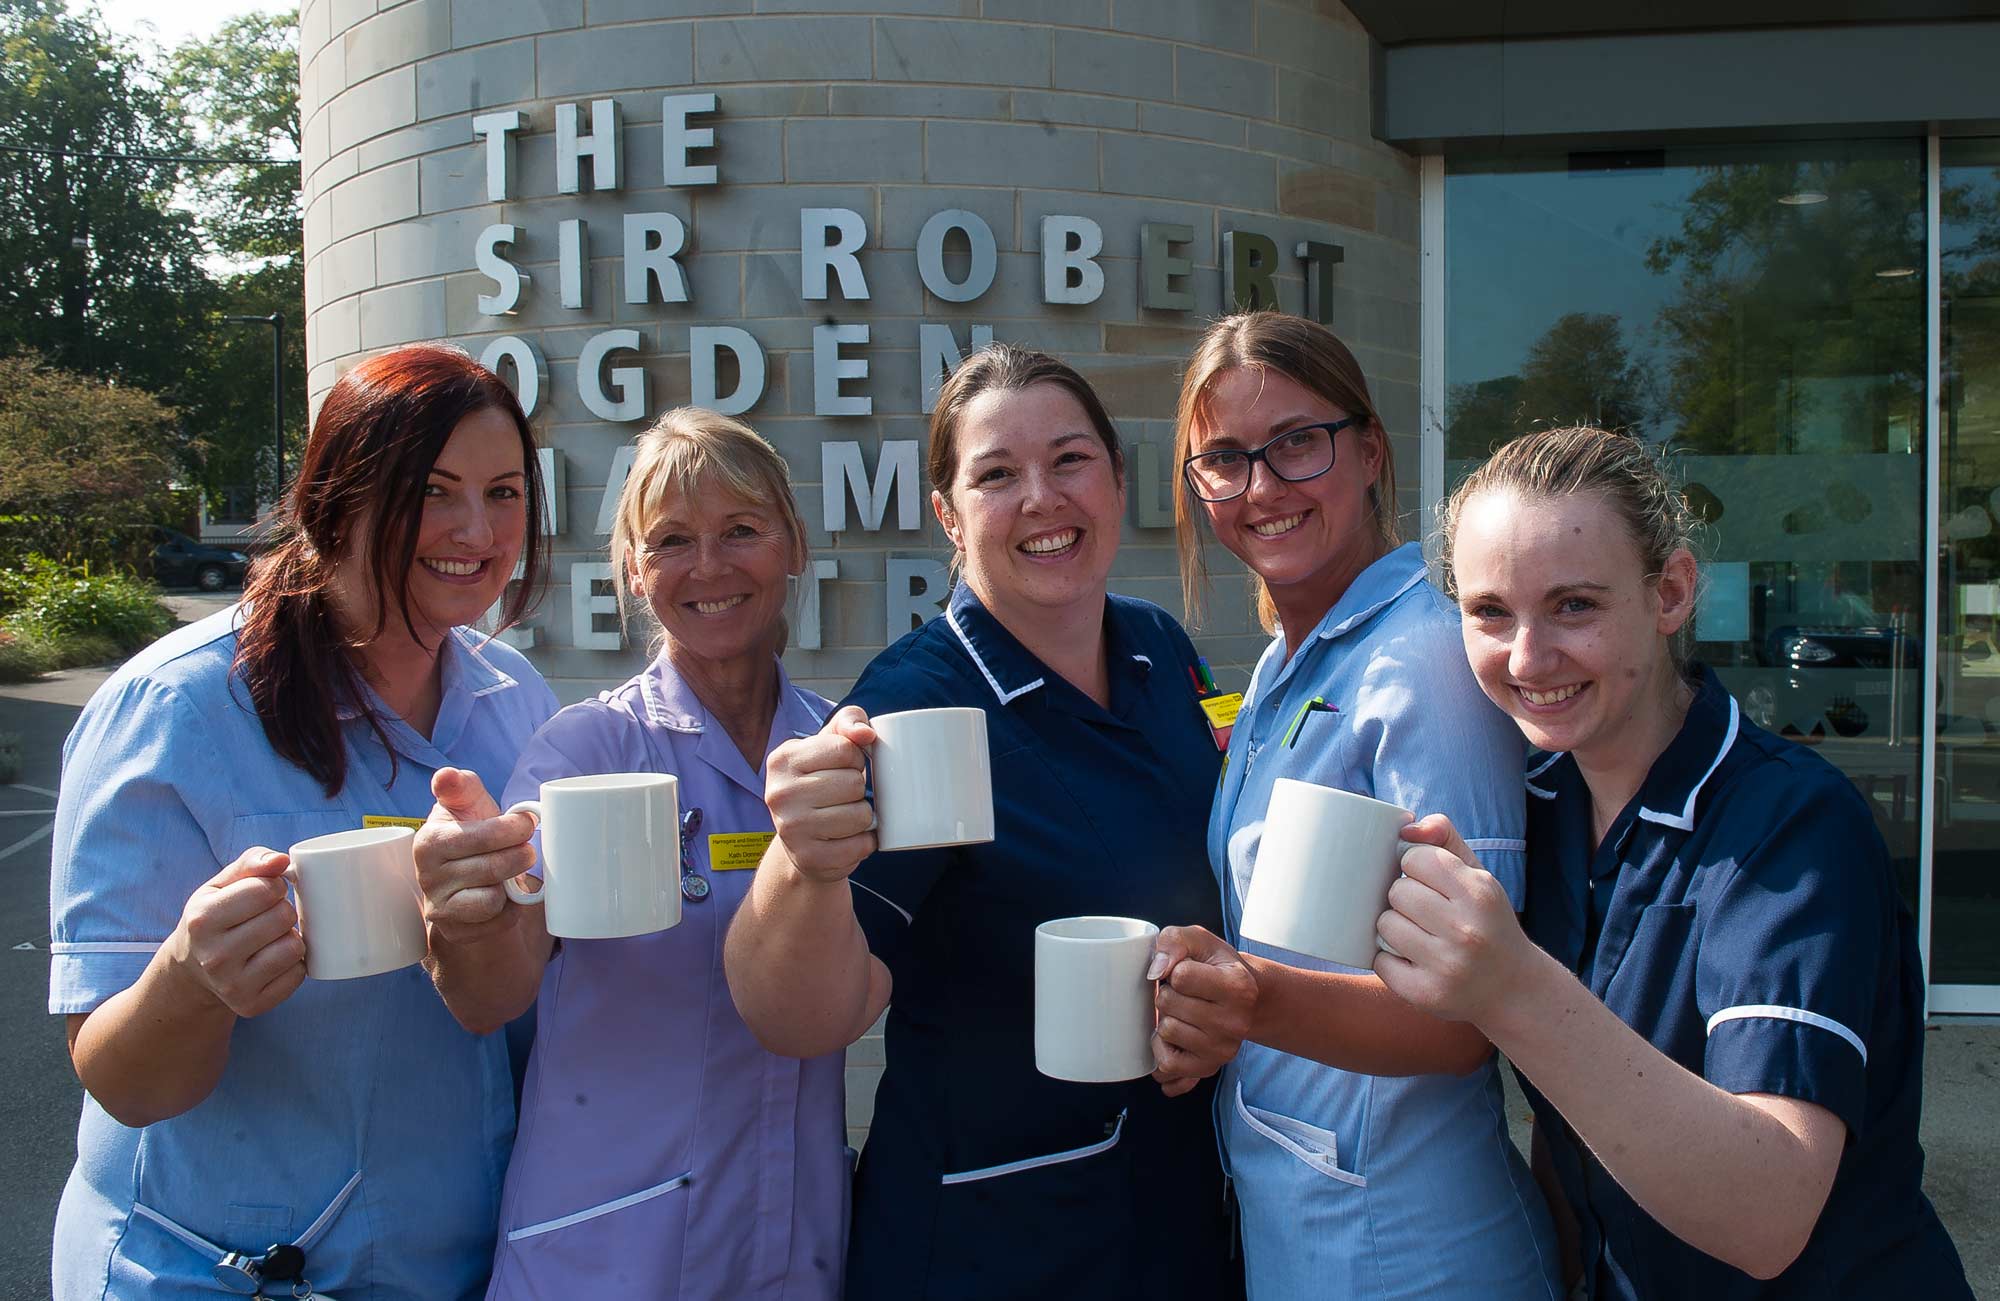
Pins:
<point x="982" y="1178"/>
<point x="1717" y="1003"/>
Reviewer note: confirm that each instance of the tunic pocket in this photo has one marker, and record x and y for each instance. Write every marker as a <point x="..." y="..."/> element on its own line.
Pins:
<point x="1318" y="1148"/>
<point x="629" y="1245"/>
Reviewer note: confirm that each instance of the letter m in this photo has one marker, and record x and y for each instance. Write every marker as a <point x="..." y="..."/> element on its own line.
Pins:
<point x="841" y="471"/>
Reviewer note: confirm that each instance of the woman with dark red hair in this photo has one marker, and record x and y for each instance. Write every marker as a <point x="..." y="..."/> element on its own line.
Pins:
<point x="242" y="1124"/>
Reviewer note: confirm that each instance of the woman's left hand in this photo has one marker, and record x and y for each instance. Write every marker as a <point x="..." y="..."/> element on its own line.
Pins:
<point x="1459" y="949"/>
<point x="1207" y="1000"/>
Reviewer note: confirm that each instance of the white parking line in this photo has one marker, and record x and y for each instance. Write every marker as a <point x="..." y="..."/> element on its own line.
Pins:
<point x="26" y="813"/>
<point x="34" y="790"/>
<point x="26" y="841"/>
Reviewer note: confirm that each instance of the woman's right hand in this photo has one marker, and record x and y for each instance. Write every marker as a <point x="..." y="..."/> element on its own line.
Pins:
<point x="237" y="941"/>
<point x="816" y="789"/>
<point x="466" y="850"/>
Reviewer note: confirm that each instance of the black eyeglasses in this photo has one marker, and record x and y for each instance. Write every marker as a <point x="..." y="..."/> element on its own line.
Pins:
<point x="1294" y="456"/>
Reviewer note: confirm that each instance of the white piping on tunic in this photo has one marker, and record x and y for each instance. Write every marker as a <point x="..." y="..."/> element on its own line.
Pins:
<point x="578" y="1217"/>
<point x="1006" y="696"/>
<point x="1036" y="1162"/>
<point x="1774" y="1012"/>
<point x="1684" y="820"/>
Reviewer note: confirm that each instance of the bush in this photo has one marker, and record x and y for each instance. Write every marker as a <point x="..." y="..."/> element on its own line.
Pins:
<point x="57" y="613"/>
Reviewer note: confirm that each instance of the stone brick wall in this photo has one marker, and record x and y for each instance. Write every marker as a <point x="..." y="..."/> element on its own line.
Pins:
<point x="1220" y="114"/>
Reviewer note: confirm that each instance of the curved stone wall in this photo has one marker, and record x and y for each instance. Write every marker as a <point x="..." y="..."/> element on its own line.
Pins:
<point x="1231" y="120"/>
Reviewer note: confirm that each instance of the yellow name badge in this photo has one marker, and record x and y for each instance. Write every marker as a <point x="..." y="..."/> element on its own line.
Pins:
<point x="738" y="851"/>
<point x="385" y="820"/>
<point x="1222" y="710"/>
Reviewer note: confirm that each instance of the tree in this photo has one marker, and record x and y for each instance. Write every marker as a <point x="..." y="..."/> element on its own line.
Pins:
<point x="1784" y="336"/>
<point x="240" y="93"/>
<point x="1578" y="372"/>
<point x="98" y="271"/>
<point x="81" y="459"/>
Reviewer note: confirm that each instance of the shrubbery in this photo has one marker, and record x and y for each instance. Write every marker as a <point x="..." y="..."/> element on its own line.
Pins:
<point x="54" y="616"/>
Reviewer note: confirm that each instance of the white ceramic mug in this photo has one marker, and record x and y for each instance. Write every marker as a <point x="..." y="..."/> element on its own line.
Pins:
<point x="359" y="908"/>
<point x="611" y="855"/>
<point x="933" y="779"/>
<point x="1323" y="872"/>
<point x="1094" y="1014"/>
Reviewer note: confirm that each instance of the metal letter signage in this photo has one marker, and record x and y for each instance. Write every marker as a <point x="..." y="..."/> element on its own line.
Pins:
<point x="930" y="255"/>
<point x="703" y="341"/>
<point x="600" y="146"/>
<point x="1248" y="260"/>
<point x="628" y="381"/>
<point x="829" y="368"/>
<point x="841" y="472"/>
<point x="507" y="278"/>
<point x="498" y="128"/>
<point x="816" y="256"/>
<point x="1160" y="267"/>
<point x="1070" y="246"/>
<point x="677" y="138"/>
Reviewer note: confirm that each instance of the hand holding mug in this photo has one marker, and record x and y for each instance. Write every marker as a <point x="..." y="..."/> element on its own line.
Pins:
<point x="1459" y="949"/>
<point x="466" y="851"/>
<point x="815" y="787"/>
<point x="237" y="941"/>
<point x="1207" y="1001"/>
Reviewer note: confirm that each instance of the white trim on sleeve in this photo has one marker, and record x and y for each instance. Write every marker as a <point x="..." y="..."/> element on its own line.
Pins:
<point x="104" y="946"/>
<point x="1772" y="1011"/>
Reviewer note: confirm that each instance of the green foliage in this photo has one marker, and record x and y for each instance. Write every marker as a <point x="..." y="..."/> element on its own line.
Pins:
<point x="56" y="603"/>
<point x="80" y="461"/>
<point x="99" y="271"/>
<point x="124" y="267"/>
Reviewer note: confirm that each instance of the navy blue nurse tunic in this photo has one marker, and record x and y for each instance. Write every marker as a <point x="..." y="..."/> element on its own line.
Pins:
<point x="1741" y="915"/>
<point x="981" y="1177"/>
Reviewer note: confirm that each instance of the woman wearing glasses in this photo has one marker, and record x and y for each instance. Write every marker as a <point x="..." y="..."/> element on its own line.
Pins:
<point x="1366" y="1138"/>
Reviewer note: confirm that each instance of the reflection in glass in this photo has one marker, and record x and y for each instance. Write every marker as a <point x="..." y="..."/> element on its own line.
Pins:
<point x="1753" y="311"/>
<point x="1965" y="932"/>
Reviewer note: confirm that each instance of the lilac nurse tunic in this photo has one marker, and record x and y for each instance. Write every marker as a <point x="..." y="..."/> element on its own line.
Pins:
<point x="661" y="1151"/>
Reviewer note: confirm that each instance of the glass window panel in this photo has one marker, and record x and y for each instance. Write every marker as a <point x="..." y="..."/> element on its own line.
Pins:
<point x="1965" y="931"/>
<point x="1758" y="312"/>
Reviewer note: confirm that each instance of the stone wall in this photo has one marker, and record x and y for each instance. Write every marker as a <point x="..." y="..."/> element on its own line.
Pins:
<point x="1217" y="114"/>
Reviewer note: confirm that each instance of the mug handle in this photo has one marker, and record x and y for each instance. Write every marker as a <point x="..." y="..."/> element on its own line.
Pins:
<point x="1381" y="943"/>
<point x="533" y="808"/>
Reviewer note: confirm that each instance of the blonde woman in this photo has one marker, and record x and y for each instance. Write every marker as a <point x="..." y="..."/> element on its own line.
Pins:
<point x="1716" y="1000"/>
<point x="662" y="1151"/>
<point x="1365" y="1137"/>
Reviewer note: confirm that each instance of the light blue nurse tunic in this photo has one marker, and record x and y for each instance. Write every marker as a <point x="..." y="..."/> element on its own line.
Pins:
<point x="356" y="1117"/>
<point x="663" y="1153"/>
<point x="1350" y="1185"/>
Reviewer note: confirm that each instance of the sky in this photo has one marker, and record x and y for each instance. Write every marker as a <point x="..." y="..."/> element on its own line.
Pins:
<point x="172" y="23"/>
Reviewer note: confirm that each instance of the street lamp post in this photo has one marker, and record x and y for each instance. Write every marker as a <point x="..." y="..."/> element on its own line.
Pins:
<point x="276" y="321"/>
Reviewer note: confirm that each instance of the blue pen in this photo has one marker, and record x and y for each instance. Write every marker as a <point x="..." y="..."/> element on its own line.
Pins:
<point x="1207" y="678"/>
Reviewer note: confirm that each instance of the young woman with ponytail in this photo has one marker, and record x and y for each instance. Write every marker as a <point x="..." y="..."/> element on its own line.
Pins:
<point x="244" y="1125"/>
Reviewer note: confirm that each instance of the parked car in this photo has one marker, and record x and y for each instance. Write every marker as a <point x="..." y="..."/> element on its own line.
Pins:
<point x="181" y="561"/>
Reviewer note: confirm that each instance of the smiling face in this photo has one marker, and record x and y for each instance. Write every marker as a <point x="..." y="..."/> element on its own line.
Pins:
<point x="1306" y="540"/>
<point x="713" y="571"/>
<point x="1035" y="501"/>
<point x="474" y="521"/>
<point x="1565" y="630"/>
